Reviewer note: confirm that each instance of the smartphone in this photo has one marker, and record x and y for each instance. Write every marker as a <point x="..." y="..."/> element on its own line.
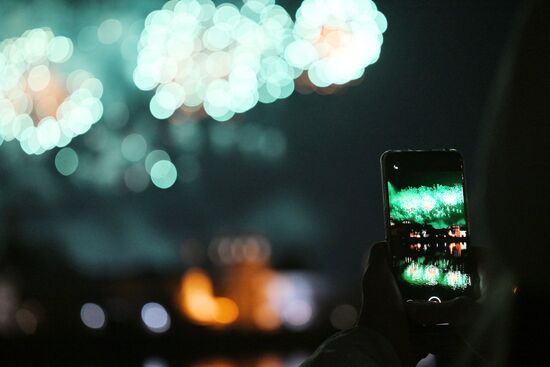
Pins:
<point x="427" y="230"/>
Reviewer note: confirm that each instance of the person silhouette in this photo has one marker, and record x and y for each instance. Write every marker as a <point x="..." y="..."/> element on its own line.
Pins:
<point x="503" y="327"/>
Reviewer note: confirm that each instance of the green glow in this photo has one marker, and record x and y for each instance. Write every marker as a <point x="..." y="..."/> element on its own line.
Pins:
<point x="133" y="147"/>
<point x="109" y="31"/>
<point x="25" y="69"/>
<point x="419" y="273"/>
<point x="439" y="206"/>
<point x="164" y="174"/>
<point x="66" y="161"/>
<point x="154" y="157"/>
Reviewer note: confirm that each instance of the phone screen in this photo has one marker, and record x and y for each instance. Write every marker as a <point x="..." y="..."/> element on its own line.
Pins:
<point x="427" y="224"/>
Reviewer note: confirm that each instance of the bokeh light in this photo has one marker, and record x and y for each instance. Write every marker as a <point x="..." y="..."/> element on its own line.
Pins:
<point x="93" y="316"/>
<point x="109" y="31"/>
<point x="226" y="60"/>
<point x="155" y="317"/>
<point x="222" y="58"/>
<point x="154" y="157"/>
<point x="297" y="314"/>
<point x="336" y="40"/>
<point x="46" y="107"/>
<point x="134" y="147"/>
<point x="164" y="174"/>
<point x="198" y="303"/>
<point x="66" y="161"/>
<point x="292" y="296"/>
<point x="155" y="362"/>
<point x="36" y="108"/>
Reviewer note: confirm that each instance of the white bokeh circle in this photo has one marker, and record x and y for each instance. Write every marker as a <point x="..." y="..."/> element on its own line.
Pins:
<point x="223" y="58"/>
<point x="336" y="40"/>
<point x="36" y="108"/>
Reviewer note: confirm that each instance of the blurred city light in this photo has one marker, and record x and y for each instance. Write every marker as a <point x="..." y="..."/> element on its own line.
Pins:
<point x="155" y="317"/>
<point x="93" y="316"/>
<point x="36" y="107"/>
<point x="256" y="296"/>
<point x="198" y="303"/>
<point x="269" y="361"/>
<point x="292" y="294"/>
<point x="235" y="250"/>
<point x="297" y="314"/>
<point x="154" y="362"/>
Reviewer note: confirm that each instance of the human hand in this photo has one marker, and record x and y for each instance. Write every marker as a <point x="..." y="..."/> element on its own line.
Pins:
<point x="384" y="311"/>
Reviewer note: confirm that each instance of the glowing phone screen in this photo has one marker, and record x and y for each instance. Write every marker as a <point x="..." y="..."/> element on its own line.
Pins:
<point x="428" y="230"/>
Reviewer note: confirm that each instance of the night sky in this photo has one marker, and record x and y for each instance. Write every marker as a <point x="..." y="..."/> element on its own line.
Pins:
<point x="322" y="205"/>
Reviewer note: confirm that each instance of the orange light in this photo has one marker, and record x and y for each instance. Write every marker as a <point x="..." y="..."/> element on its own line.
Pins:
<point x="227" y="311"/>
<point x="47" y="101"/>
<point x="196" y="282"/>
<point x="197" y="301"/>
<point x="201" y="308"/>
<point x="334" y="39"/>
<point x="266" y="318"/>
<point x="269" y="361"/>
